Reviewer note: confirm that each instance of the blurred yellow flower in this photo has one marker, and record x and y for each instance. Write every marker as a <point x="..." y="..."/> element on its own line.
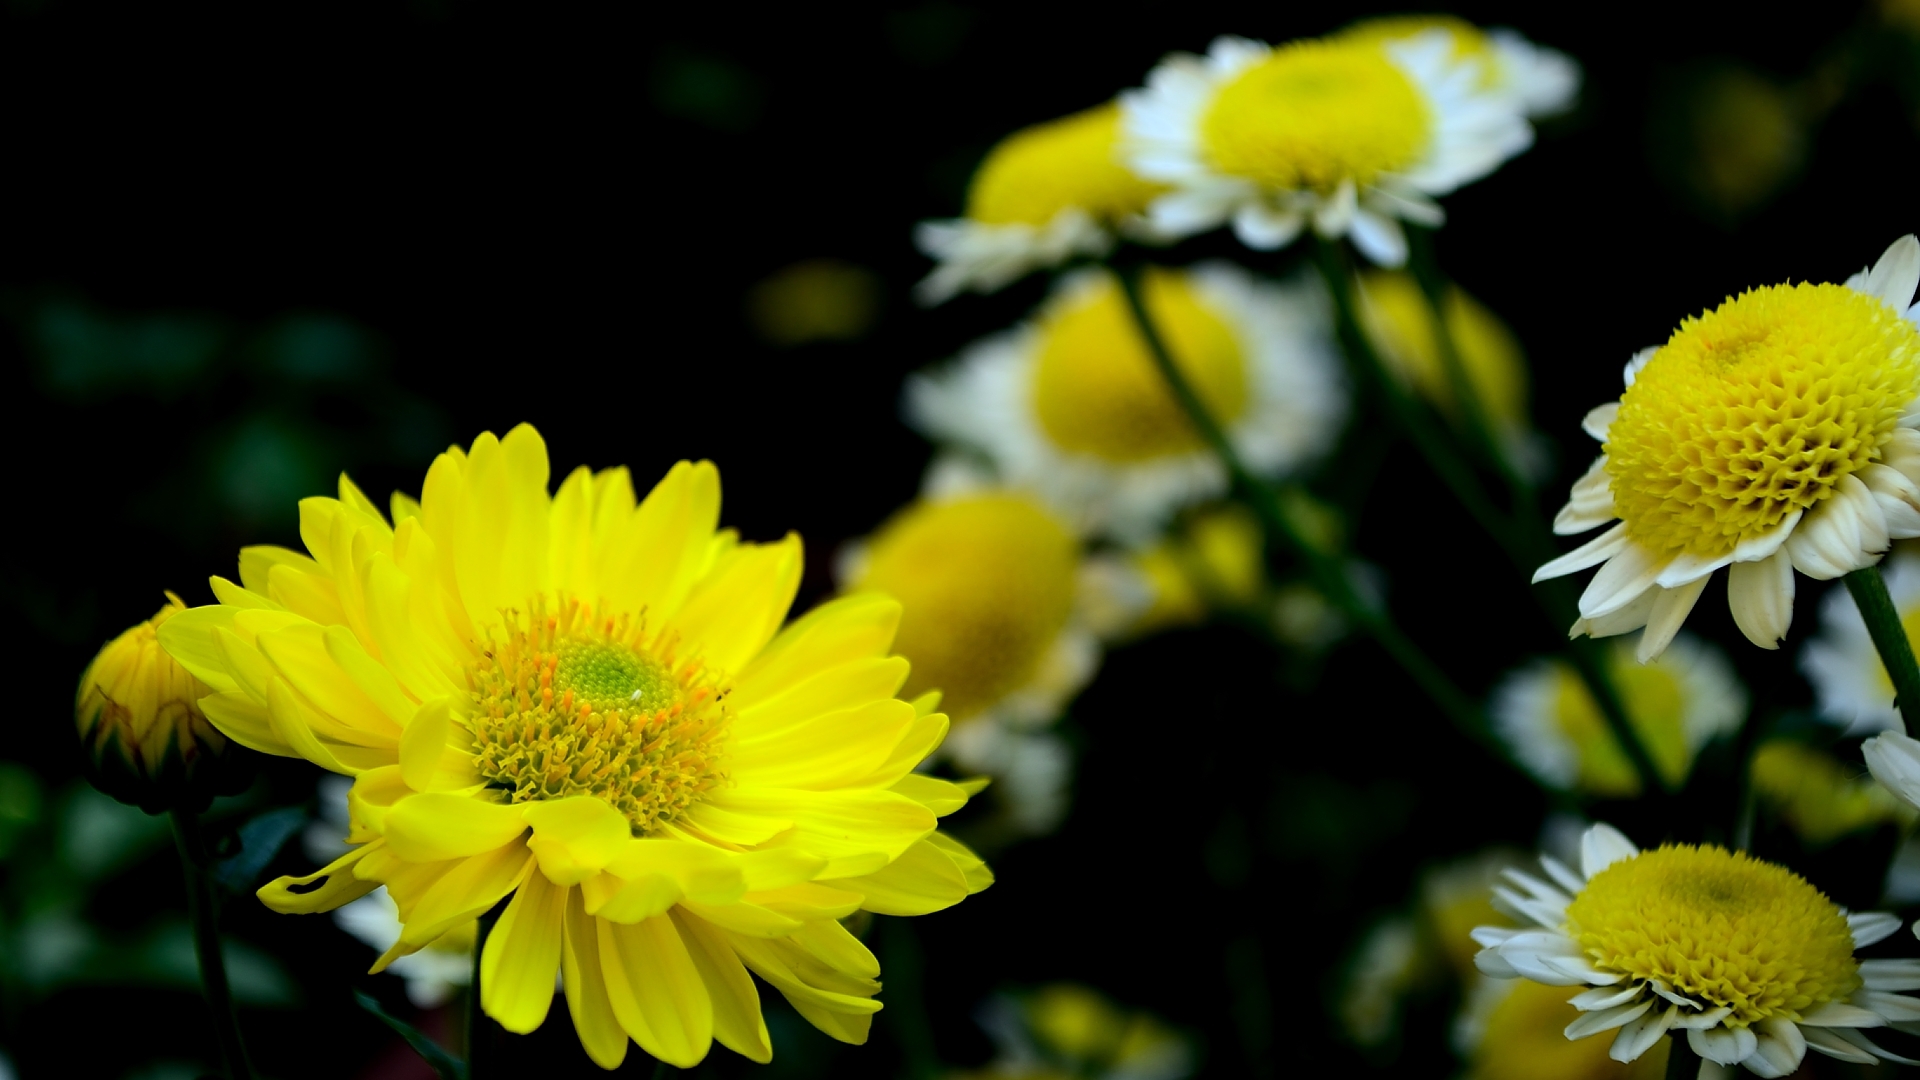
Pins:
<point x="146" y="740"/>
<point x="1821" y="799"/>
<point x="1215" y="561"/>
<point x="1349" y="135"/>
<point x="1066" y="1030"/>
<point x="1677" y="704"/>
<point x="1538" y="80"/>
<point x="1511" y="1030"/>
<point x="1044" y="195"/>
<point x="987" y="585"/>
<point x="815" y="300"/>
<point x="1850" y="682"/>
<point x="1794" y="451"/>
<point x="1073" y="407"/>
<point x="584" y="704"/>
<point x="1401" y="323"/>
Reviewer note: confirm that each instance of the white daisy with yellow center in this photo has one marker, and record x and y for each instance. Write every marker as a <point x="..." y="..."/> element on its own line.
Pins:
<point x="1540" y="81"/>
<point x="988" y="585"/>
<point x="1044" y="195"/>
<point x="1751" y="961"/>
<point x="1349" y="135"/>
<point x="1850" y="683"/>
<point x="1677" y="704"/>
<point x="1072" y="407"/>
<point x="1772" y="434"/>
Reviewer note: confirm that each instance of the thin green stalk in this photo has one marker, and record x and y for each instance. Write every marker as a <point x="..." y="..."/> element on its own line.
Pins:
<point x="1682" y="1062"/>
<point x="1329" y="574"/>
<point x="206" y="944"/>
<point x="1869" y="591"/>
<point x="479" y="1027"/>
<point x="660" y="1070"/>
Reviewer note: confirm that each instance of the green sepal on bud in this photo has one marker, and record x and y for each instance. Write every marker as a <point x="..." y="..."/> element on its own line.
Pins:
<point x="145" y="740"/>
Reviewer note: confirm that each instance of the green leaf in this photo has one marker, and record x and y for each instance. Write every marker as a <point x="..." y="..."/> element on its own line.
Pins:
<point x="260" y="840"/>
<point x="444" y="1064"/>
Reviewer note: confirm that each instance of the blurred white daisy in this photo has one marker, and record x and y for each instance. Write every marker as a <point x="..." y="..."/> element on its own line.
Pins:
<point x="1044" y="195"/>
<point x="1677" y="704"/>
<point x="1754" y="964"/>
<point x="1350" y="136"/>
<point x="1850" y="684"/>
<point x="1072" y="407"/>
<point x="1540" y="81"/>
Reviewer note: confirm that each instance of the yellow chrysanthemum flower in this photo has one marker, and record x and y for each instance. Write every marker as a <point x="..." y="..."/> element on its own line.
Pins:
<point x="1044" y="195"/>
<point x="1677" y="704"/>
<point x="1774" y="433"/>
<point x="1751" y="961"/>
<point x="1350" y="135"/>
<point x="987" y="584"/>
<point x="1540" y="81"/>
<point x="584" y="705"/>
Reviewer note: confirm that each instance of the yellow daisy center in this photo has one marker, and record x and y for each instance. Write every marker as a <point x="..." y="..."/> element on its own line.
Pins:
<point x="1069" y="163"/>
<point x="578" y="702"/>
<point x="1757" y="409"/>
<point x="1720" y="928"/>
<point x="1095" y="387"/>
<point x="985" y="584"/>
<point x="1315" y="113"/>
<point x="1656" y="704"/>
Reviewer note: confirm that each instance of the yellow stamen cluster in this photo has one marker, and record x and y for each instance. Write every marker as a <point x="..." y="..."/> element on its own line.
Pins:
<point x="1721" y="928"/>
<point x="1063" y="164"/>
<point x="1756" y="409"/>
<point x="579" y="702"/>
<point x="1096" y="390"/>
<point x="1315" y="113"/>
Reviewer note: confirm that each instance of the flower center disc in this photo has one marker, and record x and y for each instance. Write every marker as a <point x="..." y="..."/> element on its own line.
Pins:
<point x="1756" y="409"/>
<point x="1720" y="928"/>
<point x="1036" y="173"/>
<point x="583" y="703"/>
<point x="1315" y="113"/>
<point x="1096" y="390"/>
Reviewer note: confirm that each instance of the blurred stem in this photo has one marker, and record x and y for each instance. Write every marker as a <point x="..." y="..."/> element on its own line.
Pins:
<point x="906" y="997"/>
<point x="1682" y="1062"/>
<point x="192" y="844"/>
<point x="660" y="1070"/>
<point x="479" y="1028"/>
<point x="1522" y="538"/>
<point x="1330" y="574"/>
<point x="1752" y="734"/>
<point x="1869" y="591"/>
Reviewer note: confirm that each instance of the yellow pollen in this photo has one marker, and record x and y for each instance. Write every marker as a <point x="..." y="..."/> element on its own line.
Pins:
<point x="986" y="585"/>
<point x="1063" y="164"/>
<point x="1720" y="928"/>
<point x="1096" y="390"/>
<point x="1315" y="113"/>
<point x="1757" y="409"/>
<point x="577" y="702"/>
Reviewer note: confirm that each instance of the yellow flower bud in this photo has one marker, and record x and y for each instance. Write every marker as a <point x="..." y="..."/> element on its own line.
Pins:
<point x="147" y="742"/>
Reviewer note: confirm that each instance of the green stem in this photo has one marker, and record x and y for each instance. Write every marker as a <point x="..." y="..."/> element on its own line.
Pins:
<point x="1682" y="1062"/>
<point x="1330" y="575"/>
<point x="1869" y="591"/>
<point x="479" y="1027"/>
<point x="660" y="1070"/>
<point x="1517" y="536"/>
<point x="206" y="944"/>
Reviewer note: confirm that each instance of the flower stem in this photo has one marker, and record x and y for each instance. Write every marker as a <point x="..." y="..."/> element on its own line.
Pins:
<point x="1682" y="1062"/>
<point x="1869" y="591"/>
<point x="479" y="1027"/>
<point x="1330" y="574"/>
<point x="1519" y="536"/>
<point x="192" y="845"/>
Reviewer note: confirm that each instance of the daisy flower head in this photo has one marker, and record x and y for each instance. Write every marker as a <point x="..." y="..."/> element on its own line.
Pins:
<point x="1511" y="1029"/>
<point x="1682" y="700"/>
<point x="1072" y="407"/>
<point x="988" y="584"/>
<point x="1349" y="135"/>
<point x="1754" y="964"/>
<point x="1539" y="80"/>
<point x="1773" y="434"/>
<point x="1214" y="560"/>
<point x="585" y="704"/>
<point x="1044" y="195"/>
<point x="1850" y="683"/>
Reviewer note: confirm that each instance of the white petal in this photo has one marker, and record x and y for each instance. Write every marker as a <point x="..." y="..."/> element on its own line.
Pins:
<point x="1871" y="926"/>
<point x="1379" y="238"/>
<point x="1901" y="974"/>
<point x="1589" y="504"/>
<point x="1492" y="935"/>
<point x="1760" y="595"/>
<point x="1536" y="888"/>
<point x="1264" y="229"/>
<point x="1601" y="846"/>
<point x="1863" y="1043"/>
<point x="1894" y="760"/>
<point x="1670" y="610"/>
<point x="1838" y="1014"/>
<point x="1561" y="875"/>
<point x="1702" y="1021"/>
<point x="1894" y="278"/>
<point x="1640" y="360"/>
<point x="1677" y="998"/>
<point x="1594" y="1023"/>
<point x="1493" y="965"/>
<point x="1841" y="535"/>
<point x="1638" y="1037"/>
<point x="1625" y="621"/>
<point x="1728" y="1046"/>
<point x="1599" y="419"/>
<point x="1598" y="549"/>
<point x="1899" y="499"/>
<point x="1755" y="548"/>
<point x="1831" y="1044"/>
<point x="1621" y="580"/>
<point x="1781" y="1045"/>
<point x="1333" y="215"/>
<point x="1604" y="997"/>
<point x="1897" y="1008"/>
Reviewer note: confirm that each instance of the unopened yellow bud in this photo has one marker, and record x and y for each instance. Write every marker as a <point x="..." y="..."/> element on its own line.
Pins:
<point x="147" y="742"/>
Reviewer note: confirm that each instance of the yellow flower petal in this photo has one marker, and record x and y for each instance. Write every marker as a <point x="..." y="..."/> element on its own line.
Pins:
<point x="575" y="838"/>
<point x="922" y="881"/>
<point x="837" y="632"/>
<point x="323" y="890"/>
<point x="438" y="825"/>
<point x="839" y="748"/>
<point x="601" y="1035"/>
<point x="738" y="607"/>
<point x="656" y="991"/>
<point x="737" y="1021"/>
<point x="522" y="954"/>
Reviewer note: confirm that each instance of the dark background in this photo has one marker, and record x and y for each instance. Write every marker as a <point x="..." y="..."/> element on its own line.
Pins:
<point x="244" y="247"/>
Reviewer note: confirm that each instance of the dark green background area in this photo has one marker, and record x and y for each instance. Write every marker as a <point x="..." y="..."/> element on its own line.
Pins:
<point x="243" y="247"/>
